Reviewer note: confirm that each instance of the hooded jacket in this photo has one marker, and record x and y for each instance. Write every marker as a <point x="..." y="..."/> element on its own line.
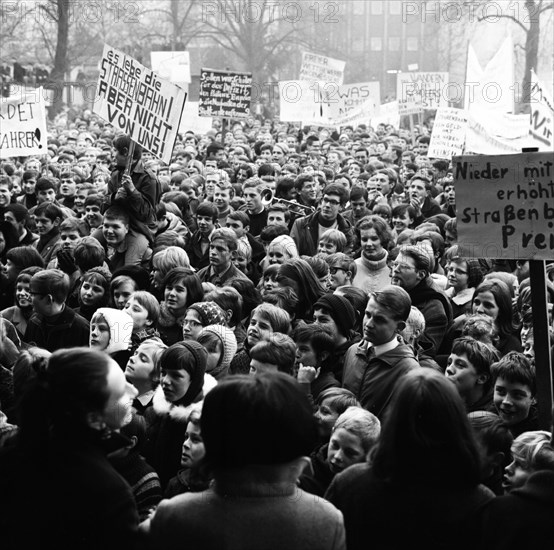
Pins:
<point x="167" y="431"/>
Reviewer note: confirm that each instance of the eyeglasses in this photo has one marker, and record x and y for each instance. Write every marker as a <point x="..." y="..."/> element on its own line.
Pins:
<point x="401" y="267"/>
<point x="333" y="270"/>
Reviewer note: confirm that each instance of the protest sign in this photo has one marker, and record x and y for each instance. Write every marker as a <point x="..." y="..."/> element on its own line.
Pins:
<point x="303" y="101"/>
<point x="423" y="90"/>
<point x="173" y="66"/>
<point x="449" y="133"/>
<point x="191" y="121"/>
<point x="505" y="205"/>
<point x="23" y="125"/>
<point x="542" y="115"/>
<point x="319" y="68"/>
<point x="496" y="133"/>
<point x="138" y="102"/>
<point x="387" y="113"/>
<point x="225" y="94"/>
<point x="349" y="97"/>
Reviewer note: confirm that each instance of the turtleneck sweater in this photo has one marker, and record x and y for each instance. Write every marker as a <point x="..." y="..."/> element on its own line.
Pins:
<point x="372" y="275"/>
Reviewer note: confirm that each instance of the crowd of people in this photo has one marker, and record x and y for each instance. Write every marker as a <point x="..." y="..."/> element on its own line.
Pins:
<point x="274" y="342"/>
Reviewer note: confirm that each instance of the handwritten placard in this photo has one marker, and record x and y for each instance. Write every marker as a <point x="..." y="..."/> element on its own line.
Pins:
<point x="23" y="125"/>
<point x="505" y="205"/>
<point x="225" y="94"/>
<point x="449" y="133"/>
<point x="137" y="101"/>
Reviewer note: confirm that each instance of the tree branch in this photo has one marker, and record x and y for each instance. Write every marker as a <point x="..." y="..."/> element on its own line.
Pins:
<point x="506" y="16"/>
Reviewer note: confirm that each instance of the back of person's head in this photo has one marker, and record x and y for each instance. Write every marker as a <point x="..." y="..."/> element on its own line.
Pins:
<point x="516" y="368"/>
<point x="415" y="326"/>
<point x="283" y="297"/>
<point x="29" y="363"/>
<point x="338" y="399"/>
<point x="52" y="281"/>
<point x="251" y="296"/>
<point x="532" y="451"/>
<point x="136" y="431"/>
<point x="481" y="327"/>
<point x="275" y="419"/>
<point x="72" y="386"/>
<point x="24" y="256"/>
<point x="170" y="257"/>
<point x="230" y="300"/>
<point x="278" y="350"/>
<point x="360" y="423"/>
<point x="426" y="435"/>
<point x="139" y="274"/>
<point x="89" y="253"/>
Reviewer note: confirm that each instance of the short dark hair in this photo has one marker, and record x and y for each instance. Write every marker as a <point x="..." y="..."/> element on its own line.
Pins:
<point x="276" y="419"/>
<point x="122" y="142"/>
<point x="208" y="209"/>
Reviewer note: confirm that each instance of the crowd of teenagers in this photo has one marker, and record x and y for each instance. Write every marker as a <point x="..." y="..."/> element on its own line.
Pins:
<point x="272" y="342"/>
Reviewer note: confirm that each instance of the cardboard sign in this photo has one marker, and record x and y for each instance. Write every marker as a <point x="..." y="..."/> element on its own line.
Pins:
<point x="421" y="90"/>
<point x="225" y="94"/>
<point x="303" y="101"/>
<point x="138" y="102"/>
<point x="505" y="205"/>
<point x="542" y="115"/>
<point x="23" y="125"/>
<point x="319" y="68"/>
<point x="449" y="133"/>
<point x="173" y="66"/>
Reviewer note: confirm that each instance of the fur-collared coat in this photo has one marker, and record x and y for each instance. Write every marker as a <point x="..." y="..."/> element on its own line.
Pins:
<point x="167" y="431"/>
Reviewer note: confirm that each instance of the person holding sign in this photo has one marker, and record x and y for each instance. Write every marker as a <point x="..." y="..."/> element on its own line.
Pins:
<point x="136" y="189"/>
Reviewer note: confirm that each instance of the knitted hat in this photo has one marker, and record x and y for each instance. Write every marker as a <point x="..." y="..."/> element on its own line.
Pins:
<point x="287" y="243"/>
<point x="228" y="341"/>
<point x="101" y="270"/>
<point x="121" y="328"/>
<point x="210" y="313"/>
<point x="340" y="310"/>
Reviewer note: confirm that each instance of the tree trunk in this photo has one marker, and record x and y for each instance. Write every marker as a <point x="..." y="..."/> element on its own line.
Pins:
<point x="58" y="75"/>
<point x="531" y="54"/>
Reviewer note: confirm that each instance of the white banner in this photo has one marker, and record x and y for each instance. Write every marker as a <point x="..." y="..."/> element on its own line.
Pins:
<point x="387" y="113"/>
<point x="321" y="68"/>
<point x="173" y="66"/>
<point x="138" y="102"/>
<point x="449" y="133"/>
<point x="491" y="88"/>
<point x="23" y="125"/>
<point x="542" y="115"/>
<point x="495" y="133"/>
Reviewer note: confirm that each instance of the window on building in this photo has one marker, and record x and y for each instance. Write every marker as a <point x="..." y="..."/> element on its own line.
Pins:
<point x="412" y="43"/>
<point x="376" y="43"/>
<point x="376" y="7"/>
<point x="394" y="43"/>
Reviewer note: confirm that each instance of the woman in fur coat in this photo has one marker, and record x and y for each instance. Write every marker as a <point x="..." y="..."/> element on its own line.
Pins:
<point x="183" y="382"/>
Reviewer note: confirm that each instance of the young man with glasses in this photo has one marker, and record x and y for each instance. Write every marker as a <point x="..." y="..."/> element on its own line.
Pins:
<point x="411" y="271"/>
<point x="307" y="231"/>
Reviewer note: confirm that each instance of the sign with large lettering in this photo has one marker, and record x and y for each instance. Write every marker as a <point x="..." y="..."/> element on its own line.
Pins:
<point x="505" y="205"/>
<point x="225" y="94"/>
<point x="173" y="66"/>
<point x="135" y="100"/>
<point x="23" y="125"/>
<point x="542" y="115"/>
<point x="319" y="68"/>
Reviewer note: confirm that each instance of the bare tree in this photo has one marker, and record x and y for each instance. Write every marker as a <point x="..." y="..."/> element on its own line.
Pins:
<point x="257" y="32"/>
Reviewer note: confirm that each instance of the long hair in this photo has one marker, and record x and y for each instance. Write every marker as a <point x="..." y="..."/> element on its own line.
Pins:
<point x="72" y="384"/>
<point x="503" y="298"/>
<point x="426" y="437"/>
<point x="310" y="289"/>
